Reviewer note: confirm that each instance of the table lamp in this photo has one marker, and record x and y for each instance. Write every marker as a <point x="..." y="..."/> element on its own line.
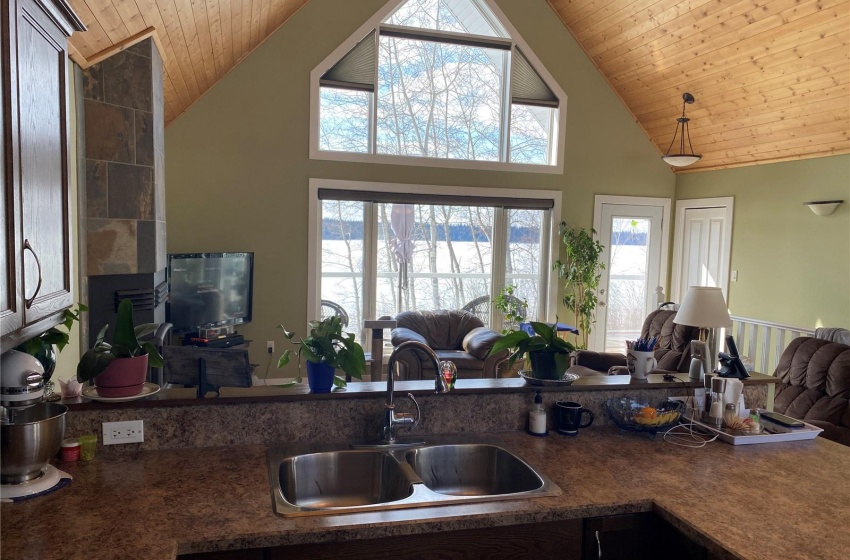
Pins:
<point x="705" y="308"/>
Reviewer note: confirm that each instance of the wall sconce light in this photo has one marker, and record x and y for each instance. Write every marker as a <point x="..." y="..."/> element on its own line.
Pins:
<point x="682" y="158"/>
<point x="823" y="207"/>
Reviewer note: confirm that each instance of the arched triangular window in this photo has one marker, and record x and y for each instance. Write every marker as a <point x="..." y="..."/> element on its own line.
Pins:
<point x="438" y="82"/>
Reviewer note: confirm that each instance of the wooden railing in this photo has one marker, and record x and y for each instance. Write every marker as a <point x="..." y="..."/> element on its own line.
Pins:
<point x="763" y="342"/>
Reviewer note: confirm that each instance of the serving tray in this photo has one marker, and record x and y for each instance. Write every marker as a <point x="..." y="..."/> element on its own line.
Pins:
<point x="808" y="431"/>
<point x="566" y="379"/>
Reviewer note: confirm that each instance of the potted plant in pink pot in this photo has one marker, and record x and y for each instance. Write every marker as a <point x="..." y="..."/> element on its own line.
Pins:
<point x="120" y="369"/>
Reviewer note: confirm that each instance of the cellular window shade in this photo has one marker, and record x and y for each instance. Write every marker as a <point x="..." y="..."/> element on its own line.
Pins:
<point x="447" y="199"/>
<point x="355" y="70"/>
<point x="527" y="87"/>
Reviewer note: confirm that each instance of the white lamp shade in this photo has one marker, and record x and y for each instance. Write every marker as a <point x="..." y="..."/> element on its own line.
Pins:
<point x="703" y="307"/>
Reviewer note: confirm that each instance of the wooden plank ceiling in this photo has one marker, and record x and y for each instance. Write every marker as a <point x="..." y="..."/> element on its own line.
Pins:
<point x="202" y="39"/>
<point x="771" y="77"/>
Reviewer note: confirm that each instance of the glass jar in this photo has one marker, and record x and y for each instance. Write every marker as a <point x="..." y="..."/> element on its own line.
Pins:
<point x="730" y="415"/>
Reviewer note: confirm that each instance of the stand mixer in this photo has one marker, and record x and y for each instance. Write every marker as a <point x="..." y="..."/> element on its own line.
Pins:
<point x="32" y="430"/>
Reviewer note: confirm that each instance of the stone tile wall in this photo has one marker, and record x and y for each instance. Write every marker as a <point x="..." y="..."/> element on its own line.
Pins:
<point x="124" y="211"/>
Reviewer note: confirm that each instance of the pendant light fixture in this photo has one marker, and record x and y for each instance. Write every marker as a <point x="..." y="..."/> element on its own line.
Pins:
<point x="682" y="158"/>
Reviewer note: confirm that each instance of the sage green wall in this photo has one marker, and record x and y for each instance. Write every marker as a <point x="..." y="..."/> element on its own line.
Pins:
<point x="237" y="164"/>
<point x="67" y="359"/>
<point x="793" y="267"/>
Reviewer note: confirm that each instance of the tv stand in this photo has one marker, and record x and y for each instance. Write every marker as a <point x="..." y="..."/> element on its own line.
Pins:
<point x="204" y="340"/>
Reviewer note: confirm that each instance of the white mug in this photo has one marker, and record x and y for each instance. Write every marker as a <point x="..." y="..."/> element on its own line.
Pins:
<point x="641" y="363"/>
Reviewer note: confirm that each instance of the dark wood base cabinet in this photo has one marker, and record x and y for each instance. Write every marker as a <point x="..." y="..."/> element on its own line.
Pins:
<point x="559" y="540"/>
<point x="640" y="536"/>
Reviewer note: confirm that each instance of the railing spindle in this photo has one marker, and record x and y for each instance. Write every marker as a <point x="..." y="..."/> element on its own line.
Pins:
<point x="748" y="334"/>
<point x="780" y="347"/>
<point x="765" y="350"/>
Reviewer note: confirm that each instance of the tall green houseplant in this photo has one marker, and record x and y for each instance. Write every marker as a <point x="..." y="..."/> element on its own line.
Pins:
<point x="581" y="271"/>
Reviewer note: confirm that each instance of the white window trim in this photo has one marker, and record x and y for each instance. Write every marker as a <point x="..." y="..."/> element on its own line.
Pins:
<point x="374" y="21"/>
<point x="314" y="228"/>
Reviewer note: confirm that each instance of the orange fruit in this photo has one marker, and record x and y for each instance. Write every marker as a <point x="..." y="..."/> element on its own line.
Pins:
<point x="648" y="412"/>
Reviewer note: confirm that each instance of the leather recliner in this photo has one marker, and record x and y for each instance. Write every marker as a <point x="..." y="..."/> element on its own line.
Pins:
<point x="454" y="335"/>
<point x="815" y="385"/>
<point x="673" y="350"/>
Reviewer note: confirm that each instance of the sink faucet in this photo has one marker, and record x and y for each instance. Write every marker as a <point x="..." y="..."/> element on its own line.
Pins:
<point x="392" y="421"/>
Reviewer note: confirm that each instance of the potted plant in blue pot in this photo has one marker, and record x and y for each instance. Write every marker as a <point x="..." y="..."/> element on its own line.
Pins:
<point x="549" y="354"/>
<point x="325" y="350"/>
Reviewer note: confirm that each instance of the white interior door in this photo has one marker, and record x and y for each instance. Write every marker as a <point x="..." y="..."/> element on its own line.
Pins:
<point x="702" y="245"/>
<point x="635" y="247"/>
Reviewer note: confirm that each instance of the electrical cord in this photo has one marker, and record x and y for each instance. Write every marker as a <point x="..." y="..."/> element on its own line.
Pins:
<point x="689" y="433"/>
<point x="268" y="365"/>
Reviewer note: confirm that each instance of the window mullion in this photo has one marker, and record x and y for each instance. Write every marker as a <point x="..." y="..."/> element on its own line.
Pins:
<point x="497" y="272"/>
<point x="373" y="110"/>
<point x="443" y="36"/>
<point x="552" y="150"/>
<point x="370" y="268"/>
<point x="505" y="133"/>
<point x="545" y="267"/>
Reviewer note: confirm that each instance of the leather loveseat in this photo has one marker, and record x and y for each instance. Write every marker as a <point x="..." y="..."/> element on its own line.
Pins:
<point x="815" y="385"/>
<point x="673" y="350"/>
<point x="453" y="335"/>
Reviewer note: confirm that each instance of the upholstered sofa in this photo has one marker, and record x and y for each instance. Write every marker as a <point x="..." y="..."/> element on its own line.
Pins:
<point x="673" y="350"/>
<point x="453" y="335"/>
<point x="815" y="387"/>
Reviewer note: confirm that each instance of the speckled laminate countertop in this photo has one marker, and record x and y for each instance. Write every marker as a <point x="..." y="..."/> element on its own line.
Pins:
<point x="782" y="500"/>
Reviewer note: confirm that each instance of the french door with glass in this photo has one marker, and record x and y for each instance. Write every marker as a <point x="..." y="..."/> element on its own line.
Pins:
<point x="632" y="232"/>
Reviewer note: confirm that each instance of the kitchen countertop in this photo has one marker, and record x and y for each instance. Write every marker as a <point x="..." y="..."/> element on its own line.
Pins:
<point x="781" y="500"/>
<point x="360" y="389"/>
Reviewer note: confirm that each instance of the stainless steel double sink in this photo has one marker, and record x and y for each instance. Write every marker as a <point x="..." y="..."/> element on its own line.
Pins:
<point x="321" y="480"/>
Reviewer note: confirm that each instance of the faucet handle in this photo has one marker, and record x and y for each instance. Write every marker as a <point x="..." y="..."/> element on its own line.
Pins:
<point x="418" y="412"/>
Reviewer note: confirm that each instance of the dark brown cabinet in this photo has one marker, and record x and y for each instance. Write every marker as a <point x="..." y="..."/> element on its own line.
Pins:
<point x="618" y="537"/>
<point x="637" y="536"/>
<point x="36" y="244"/>
<point x="553" y="540"/>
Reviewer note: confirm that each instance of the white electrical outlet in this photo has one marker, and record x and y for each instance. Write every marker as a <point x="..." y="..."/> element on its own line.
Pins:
<point x="270" y="346"/>
<point x="131" y="431"/>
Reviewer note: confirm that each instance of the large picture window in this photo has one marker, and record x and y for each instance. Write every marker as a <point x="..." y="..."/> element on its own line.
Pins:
<point x="438" y="81"/>
<point x="381" y="253"/>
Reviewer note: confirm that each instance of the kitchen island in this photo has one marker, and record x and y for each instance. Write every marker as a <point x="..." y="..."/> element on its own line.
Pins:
<point x="781" y="500"/>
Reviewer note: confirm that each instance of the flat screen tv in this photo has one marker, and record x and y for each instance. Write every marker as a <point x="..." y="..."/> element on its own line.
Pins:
<point x="209" y="290"/>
